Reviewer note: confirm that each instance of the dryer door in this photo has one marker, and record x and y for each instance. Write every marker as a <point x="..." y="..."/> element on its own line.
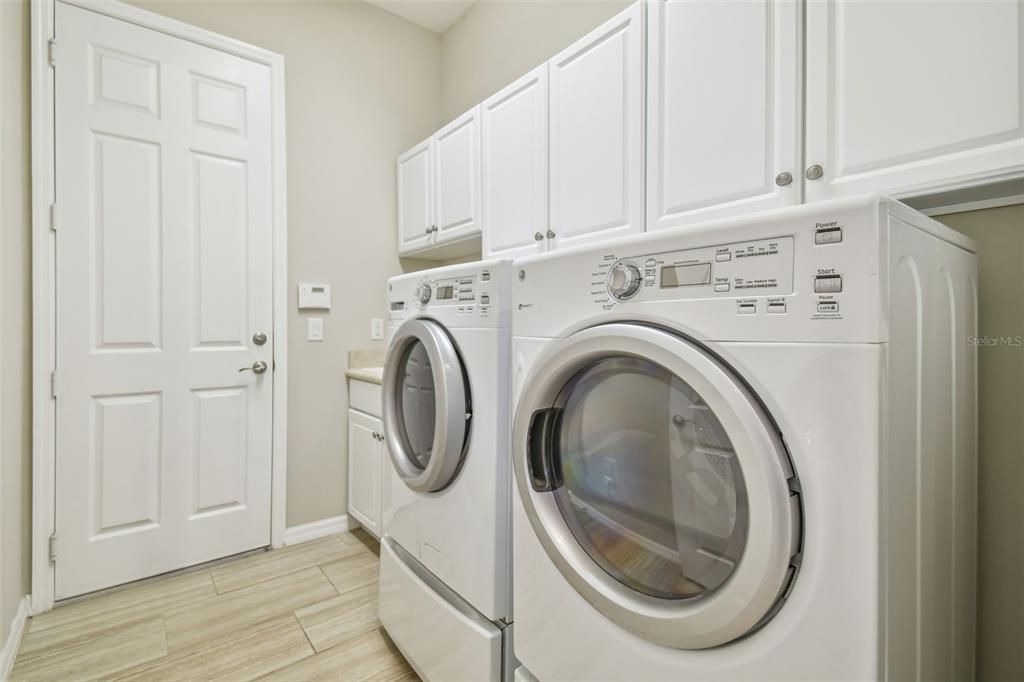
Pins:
<point x="657" y="485"/>
<point x="426" y="405"/>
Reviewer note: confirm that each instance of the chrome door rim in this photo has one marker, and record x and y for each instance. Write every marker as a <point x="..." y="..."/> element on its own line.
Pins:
<point x="764" y="571"/>
<point x="451" y="421"/>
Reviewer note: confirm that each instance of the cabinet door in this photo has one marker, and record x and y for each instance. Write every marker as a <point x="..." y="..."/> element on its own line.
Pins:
<point x="597" y="133"/>
<point x="456" y="158"/>
<point x="723" y="120"/>
<point x="364" y="482"/>
<point x="907" y="97"/>
<point x="415" y="204"/>
<point x="515" y="167"/>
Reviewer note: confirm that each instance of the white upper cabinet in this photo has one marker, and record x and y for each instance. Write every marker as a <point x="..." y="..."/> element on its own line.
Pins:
<point x="456" y="157"/>
<point x="911" y="96"/>
<point x="439" y="192"/>
<point x="515" y="167"/>
<point x="415" y="210"/>
<point x="596" y="134"/>
<point x="723" y="108"/>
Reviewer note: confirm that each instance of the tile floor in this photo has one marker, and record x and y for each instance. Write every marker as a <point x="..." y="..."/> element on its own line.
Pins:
<point x="306" y="612"/>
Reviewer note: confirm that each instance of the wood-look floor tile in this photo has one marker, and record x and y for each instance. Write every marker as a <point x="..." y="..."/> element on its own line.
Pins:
<point x="97" y="657"/>
<point x="339" y="619"/>
<point x="275" y="563"/>
<point x="370" y="656"/>
<point x="252" y="652"/>
<point x="222" y="616"/>
<point x="83" y="620"/>
<point x="353" y="572"/>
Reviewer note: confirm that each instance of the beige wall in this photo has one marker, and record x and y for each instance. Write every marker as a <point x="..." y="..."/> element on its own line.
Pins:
<point x="496" y="41"/>
<point x="362" y="86"/>
<point x="999" y="234"/>
<point x="15" y="313"/>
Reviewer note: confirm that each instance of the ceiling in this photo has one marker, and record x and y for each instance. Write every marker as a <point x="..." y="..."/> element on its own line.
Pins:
<point x="435" y="15"/>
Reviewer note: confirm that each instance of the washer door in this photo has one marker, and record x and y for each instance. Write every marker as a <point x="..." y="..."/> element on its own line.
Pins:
<point x="657" y="485"/>
<point x="426" y="405"/>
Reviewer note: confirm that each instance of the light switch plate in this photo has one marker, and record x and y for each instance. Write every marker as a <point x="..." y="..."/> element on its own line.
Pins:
<point x="376" y="328"/>
<point x="315" y="329"/>
<point x="314" y="296"/>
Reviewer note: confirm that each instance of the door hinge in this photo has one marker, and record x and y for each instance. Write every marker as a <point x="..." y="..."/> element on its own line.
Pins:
<point x="53" y="384"/>
<point x="53" y="217"/>
<point x="53" y="547"/>
<point x="52" y="52"/>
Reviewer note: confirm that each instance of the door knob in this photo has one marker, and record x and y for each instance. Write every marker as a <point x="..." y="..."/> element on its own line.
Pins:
<point x="258" y="367"/>
<point x="259" y="338"/>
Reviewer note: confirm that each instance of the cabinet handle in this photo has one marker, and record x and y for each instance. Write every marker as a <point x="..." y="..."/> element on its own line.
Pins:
<point x="814" y="172"/>
<point x="551" y="233"/>
<point x="538" y="236"/>
<point x="784" y="178"/>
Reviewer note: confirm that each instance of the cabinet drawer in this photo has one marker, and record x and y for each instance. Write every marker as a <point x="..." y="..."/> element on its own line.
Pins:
<point x="364" y="396"/>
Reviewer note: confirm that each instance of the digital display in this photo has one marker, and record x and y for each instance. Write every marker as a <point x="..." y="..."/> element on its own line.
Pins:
<point x="685" y="275"/>
<point x="445" y="292"/>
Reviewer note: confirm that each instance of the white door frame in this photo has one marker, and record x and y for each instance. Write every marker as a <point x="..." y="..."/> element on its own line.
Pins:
<point x="43" y="268"/>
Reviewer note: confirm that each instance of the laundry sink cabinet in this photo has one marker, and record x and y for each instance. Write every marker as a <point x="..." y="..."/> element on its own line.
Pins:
<point x="366" y="456"/>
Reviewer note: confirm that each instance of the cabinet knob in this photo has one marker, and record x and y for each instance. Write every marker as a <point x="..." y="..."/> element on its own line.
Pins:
<point x="784" y="178"/>
<point x="538" y="236"/>
<point x="814" y="172"/>
<point x="433" y="228"/>
<point x="427" y="231"/>
<point x="551" y="233"/>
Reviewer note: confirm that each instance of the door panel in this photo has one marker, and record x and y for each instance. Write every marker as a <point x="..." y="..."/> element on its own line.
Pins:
<point x="415" y="210"/>
<point x="894" y="105"/>
<point x="457" y="177"/>
<point x="597" y="133"/>
<point x="364" y="482"/>
<point x="164" y="273"/>
<point x="723" y="115"/>
<point x="515" y="167"/>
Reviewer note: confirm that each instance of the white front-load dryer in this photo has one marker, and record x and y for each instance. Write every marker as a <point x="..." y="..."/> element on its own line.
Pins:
<point x="446" y="550"/>
<point x="745" y="450"/>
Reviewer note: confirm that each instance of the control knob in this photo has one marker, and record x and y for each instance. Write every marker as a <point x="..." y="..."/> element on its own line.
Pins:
<point x="423" y="293"/>
<point x="624" y="281"/>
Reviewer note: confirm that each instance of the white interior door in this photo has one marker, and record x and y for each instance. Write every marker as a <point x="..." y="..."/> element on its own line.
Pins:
<point x="457" y="178"/>
<point x="164" y="276"/>
<point x="515" y="167"/>
<point x="909" y="95"/>
<point x="723" y="121"/>
<point x="596" y="134"/>
<point x="415" y="208"/>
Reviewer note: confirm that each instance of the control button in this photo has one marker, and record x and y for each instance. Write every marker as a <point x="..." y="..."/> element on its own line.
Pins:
<point x="485" y="276"/>
<point x="776" y="307"/>
<point x="828" y="307"/>
<point x="828" y="284"/>
<point x="624" y="281"/>
<point x="831" y="236"/>
<point x="722" y="257"/>
<point x="746" y="308"/>
<point x="724" y="286"/>
<point x="484" y="299"/>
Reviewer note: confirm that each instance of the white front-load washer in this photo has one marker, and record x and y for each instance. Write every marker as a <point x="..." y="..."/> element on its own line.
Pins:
<point x="745" y="450"/>
<point x="445" y="572"/>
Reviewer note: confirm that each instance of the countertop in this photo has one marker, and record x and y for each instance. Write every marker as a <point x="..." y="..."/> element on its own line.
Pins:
<point x="366" y="365"/>
<point x="373" y="375"/>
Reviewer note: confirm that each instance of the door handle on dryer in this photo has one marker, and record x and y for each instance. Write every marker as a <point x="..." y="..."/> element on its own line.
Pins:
<point x="541" y="450"/>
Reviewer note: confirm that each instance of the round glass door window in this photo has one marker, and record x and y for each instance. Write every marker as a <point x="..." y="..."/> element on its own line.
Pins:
<point x="651" y="487"/>
<point x="416" y="404"/>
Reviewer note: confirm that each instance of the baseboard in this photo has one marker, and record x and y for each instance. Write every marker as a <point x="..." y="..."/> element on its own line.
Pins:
<point x="316" y="529"/>
<point x="10" y="649"/>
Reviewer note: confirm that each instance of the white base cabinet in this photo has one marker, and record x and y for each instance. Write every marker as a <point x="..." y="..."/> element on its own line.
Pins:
<point x="365" y="466"/>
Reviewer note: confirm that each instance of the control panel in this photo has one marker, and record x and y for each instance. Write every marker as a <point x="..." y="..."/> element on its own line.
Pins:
<point x="468" y="294"/>
<point x="743" y="269"/>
